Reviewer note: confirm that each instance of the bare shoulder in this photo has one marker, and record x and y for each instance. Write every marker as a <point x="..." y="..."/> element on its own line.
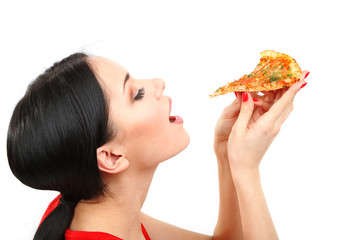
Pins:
<point x="159" y="230"/>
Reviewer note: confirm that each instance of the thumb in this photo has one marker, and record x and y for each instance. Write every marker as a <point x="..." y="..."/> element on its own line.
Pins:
<point x="232" y="110"/>
<point x="246" y="111"/>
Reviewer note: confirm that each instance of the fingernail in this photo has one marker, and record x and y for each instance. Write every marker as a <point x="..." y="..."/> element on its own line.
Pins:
<point x="303" y="85"/>
<point x="245" y="96"/>
<point x="255" y="99"/>
<point x="236" y="94"/>
<point x="307" y="74"/>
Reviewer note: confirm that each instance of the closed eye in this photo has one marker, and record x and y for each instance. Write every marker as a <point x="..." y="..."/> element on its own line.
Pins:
<point x="140" y="94"/>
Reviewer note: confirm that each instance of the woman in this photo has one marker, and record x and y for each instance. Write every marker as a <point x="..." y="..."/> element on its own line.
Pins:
<point x="89" y="130"/>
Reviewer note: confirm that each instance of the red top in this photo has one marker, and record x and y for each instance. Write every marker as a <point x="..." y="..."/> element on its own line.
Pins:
<point x="82" y="235"/>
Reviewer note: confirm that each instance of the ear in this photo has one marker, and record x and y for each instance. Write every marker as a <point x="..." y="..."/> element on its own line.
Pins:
<point x="110" y="162"/>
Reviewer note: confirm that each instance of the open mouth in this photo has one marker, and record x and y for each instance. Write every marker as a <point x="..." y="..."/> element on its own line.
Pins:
<point x="176" y="119"/>
<point x="172" y="119"/>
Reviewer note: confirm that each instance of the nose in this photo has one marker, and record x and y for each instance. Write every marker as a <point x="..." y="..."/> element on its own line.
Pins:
<point x="159" y="86"/>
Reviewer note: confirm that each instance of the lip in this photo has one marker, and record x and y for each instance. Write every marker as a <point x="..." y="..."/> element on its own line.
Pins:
<point x="170" y="103"/>
<point x="176" y="119"/>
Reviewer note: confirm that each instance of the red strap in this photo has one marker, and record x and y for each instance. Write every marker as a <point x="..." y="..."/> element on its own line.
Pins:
<point x="54" y="203"/>
<point x="146" y="235"/>
<point x="83" y="235"/>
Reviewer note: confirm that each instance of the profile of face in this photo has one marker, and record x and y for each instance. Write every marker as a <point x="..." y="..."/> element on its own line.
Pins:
<point x="145" y="133"/>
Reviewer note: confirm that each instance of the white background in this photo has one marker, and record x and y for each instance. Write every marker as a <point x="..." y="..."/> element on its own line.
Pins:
<point x="310" y="175"/>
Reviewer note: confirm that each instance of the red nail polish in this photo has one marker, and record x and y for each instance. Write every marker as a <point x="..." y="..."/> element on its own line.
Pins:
<point x="307" y="74"/>
<point x="245" y="96"/>
<point x="236" y="94"/>
<point x="303" y="85"/>
<point x="255" y="99"/>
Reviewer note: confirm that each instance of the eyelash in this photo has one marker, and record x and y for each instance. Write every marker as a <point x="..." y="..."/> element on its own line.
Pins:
<point x="140" y="94"/>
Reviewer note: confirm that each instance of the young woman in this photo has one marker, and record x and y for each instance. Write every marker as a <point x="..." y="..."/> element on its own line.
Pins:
<point x="88" y="129"/>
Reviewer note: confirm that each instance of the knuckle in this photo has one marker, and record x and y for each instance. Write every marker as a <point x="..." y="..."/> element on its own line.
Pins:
<point x="275" y="131"/>
<point x="225" y="112"/>
<point x="265" y="129"/>
<point x="246" y="107"/>
<point x="228" y="108"/>
<point x="291" y="106"/>
<point x="269" y="130"/>
<point x="292" y="92"/>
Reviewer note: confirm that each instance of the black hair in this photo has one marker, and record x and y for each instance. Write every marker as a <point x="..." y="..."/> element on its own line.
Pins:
<point x="53" y="136"/>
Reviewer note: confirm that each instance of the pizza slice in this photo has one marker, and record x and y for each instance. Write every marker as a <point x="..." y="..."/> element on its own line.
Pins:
<point x="275" y="71"/>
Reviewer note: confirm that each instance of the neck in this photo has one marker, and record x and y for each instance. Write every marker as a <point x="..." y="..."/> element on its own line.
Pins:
<point x="118" y="211"/>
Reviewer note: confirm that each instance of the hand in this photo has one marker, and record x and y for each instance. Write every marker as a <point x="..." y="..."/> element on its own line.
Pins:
<point x="257" y="126"/>
<point x="231" y="112"/>
<point x="224" y="126"/>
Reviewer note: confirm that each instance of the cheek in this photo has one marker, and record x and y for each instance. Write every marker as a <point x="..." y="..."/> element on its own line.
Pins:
<point x="147" y="135"/>
<point x="149" y="123"/>
<point x="149" y="138"/>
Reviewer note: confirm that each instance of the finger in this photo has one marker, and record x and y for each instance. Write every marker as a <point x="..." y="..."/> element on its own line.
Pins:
<point x="294" y="90"/>
<point x="255" y="96"/>
<point x="233" y="109"/>
<point x="300" y="84"/>
<point x="258" y="112"/>
<point x="265" y="105"/>
<point x="284" y="116"/>
<point x="246" y="112"/>
<point x="279" y="93"/>
<point x="280" y="109"/>
<point x="281" y="106"/>
<point x="269" y="94"/>
<point x="305" y="74"/>
<point x="290" y="107"/>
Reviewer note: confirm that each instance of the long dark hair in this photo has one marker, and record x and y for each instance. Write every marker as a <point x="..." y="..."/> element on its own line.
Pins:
<point x="53" y="135"/>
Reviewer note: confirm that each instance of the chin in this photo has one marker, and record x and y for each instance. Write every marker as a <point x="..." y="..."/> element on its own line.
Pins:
<point x="184" y="141"/>
<point x="181" y="144"/>
<point x="187" y="140"/>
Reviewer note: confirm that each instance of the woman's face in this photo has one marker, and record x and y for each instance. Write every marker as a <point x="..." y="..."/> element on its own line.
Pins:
<point x="145" y="132"/>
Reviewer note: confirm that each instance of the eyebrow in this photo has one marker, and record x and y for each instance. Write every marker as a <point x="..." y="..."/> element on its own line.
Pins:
<point x="126" y="79"/>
